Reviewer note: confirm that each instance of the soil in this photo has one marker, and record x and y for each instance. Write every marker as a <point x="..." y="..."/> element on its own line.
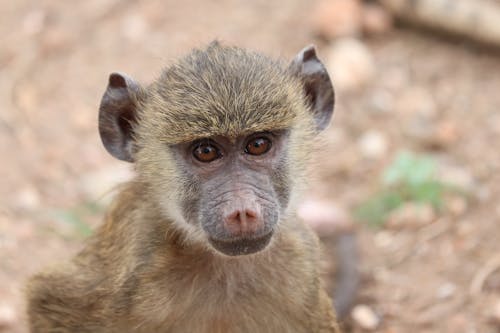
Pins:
<point x="430" y="95"/>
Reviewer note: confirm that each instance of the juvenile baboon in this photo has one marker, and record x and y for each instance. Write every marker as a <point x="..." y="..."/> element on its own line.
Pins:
<point x="205" y="238"/>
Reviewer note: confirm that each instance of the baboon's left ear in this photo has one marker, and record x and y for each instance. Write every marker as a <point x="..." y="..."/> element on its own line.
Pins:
<point x="317" y="85"/>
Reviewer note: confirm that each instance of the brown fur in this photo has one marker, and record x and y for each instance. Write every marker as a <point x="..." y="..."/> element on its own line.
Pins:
<point x="143" y="272"/>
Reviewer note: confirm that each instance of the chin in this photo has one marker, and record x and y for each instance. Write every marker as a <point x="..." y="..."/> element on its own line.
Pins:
<point x="241" y="246"/>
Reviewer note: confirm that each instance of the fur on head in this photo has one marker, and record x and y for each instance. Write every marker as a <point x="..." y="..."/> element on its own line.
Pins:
<point x="219" y="92"/>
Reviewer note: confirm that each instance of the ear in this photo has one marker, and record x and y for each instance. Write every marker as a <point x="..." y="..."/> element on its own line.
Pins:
<point x="118" y="116"/>
<point x="317" y="85"/>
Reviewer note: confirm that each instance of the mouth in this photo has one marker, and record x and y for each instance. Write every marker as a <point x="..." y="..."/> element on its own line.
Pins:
<point x="241" y="246"/>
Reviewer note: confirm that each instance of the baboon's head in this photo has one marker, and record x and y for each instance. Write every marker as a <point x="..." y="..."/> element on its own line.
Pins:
<point x="221" y="139"/>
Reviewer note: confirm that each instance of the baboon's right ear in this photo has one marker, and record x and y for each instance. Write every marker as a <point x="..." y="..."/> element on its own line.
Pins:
<point x="118" y="116"/>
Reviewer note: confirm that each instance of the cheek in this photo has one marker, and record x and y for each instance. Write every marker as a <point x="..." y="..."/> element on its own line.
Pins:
<point x="190" y="202"/>
<point x="281" y="183"/>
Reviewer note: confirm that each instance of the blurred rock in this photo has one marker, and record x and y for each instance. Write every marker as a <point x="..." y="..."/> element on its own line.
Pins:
<point x="456" y="176"/>
<point x="26" y="97"/>
<point x="375" y="19"/>
<point x="8" y="317"/>
<point x="434" y="136"/>
<point x="446" y="133"/>
<point x="134" y="27"/>
<point x="27" y="198"/>
<point x="34" y="21"/>
<point x="382" y="101"/>
<point x="417" y="101"/>
<point x="365" y="317"/>
<point x="337" y="18"/>
<point x="457" y="323"/>
<point x="324" y="217"/>
<point x="495" y="312"/>
<point x="351" y="63"/>
<point x="373" y="144"/>
<point x="383" y="239"/>
<point x="54" y="40"/>
<point x="99" y="183"/>
<point x="446" y="290"/>
<point x="412" y="215"/>
<point x="456" y="205"/>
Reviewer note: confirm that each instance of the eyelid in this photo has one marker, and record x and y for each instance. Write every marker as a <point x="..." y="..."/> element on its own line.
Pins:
<point x="195" y="144"/>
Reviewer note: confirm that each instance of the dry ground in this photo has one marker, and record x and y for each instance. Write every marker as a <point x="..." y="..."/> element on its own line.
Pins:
<point x="430" y="95"/>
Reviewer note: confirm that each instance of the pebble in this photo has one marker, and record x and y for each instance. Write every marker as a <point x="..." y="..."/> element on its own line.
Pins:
<point x="417" y="102"/>
<point x="373" y="144"/>
<point x="34" y="22"/>
<point x="324" y="217"/>
<point x="97" y="184"/>
<point x="413" y="215"/>
<point x="55" y="39"/>
<point x="446" y="290"/>
<point x="383" y="239"/>
<point x="456" y="176"/>
<point x="351" y="63"/>
<point x="27" y="198"/>
<point x="375" y="19"/>
<point x="337" y="18"/>
<point x="365" y="317"/>
<point x="134" y="27"/>
<point x="382" y="101"/>
<point x="495" y="312"/>
<point x="456" y="205"/>
<point x="8" y="316"/>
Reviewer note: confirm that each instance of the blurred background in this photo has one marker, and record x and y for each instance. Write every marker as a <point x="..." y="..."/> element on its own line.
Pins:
<point x="410" y="163"/>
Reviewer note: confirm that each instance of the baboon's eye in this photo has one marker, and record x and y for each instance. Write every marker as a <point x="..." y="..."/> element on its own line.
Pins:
<point x="258" y="146"/>
<point x="206" y="152"/>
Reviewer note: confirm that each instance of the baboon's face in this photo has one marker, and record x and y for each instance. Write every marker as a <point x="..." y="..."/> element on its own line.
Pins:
<point x="242" y="188"/>
<point x="217" y="137"/>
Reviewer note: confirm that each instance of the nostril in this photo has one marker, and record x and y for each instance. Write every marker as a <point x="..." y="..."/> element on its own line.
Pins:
<point x="250" y="214"/>
<point x="243" y="221"/>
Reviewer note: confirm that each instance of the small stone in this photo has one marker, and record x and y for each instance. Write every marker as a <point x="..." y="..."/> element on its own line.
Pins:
<point x="8" y="316"/>
<point x="495" y="312"/>
<point x="373" y="144"/>
<point x="365" y="317"/>
<point x="101" y="182"/>
<point x="55" y="40"/>
<point x="413" y="215"/>
<point x="446" y="133"/>
<point x="34" y="22"/>
<point x="417" y="102"/>
<point x="134" y="27"/>
<point x="446" y="290"/>
<point x="27" y="198"/>
<point x="337" y="18"/>
<point x="383" y="239"/>
<point x="456" y="205"/>
<point x="325" y="218"/>
<point x="375" y="19"/>
<point x="456" y="176"/>
<point x="352" y="63"/>
<point x="457" y="322"/>
<point x="382" y="101"/>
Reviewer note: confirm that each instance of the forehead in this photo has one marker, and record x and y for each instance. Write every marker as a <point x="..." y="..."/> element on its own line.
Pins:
<point x="224" y="91"/>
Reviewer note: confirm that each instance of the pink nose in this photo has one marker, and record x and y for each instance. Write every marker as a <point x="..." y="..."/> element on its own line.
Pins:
<point x="243" y="221"/>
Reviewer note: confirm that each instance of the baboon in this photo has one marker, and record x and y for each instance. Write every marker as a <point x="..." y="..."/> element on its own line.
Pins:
<point x="206" y="237"/>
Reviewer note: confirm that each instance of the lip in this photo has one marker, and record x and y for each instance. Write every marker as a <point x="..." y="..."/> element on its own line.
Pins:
<point x="241" y="246"/>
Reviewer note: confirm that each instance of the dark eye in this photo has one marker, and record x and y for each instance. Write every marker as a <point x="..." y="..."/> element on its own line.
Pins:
<point x="206" y="152"/>
<point x="258" y="146"/>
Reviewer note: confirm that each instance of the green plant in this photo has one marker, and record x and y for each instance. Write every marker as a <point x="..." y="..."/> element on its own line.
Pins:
<point x="78" y="216"/>
<point x="409" y="178"/>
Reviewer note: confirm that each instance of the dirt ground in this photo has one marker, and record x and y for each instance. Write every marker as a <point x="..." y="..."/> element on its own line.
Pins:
<point x="430" y="95"/>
